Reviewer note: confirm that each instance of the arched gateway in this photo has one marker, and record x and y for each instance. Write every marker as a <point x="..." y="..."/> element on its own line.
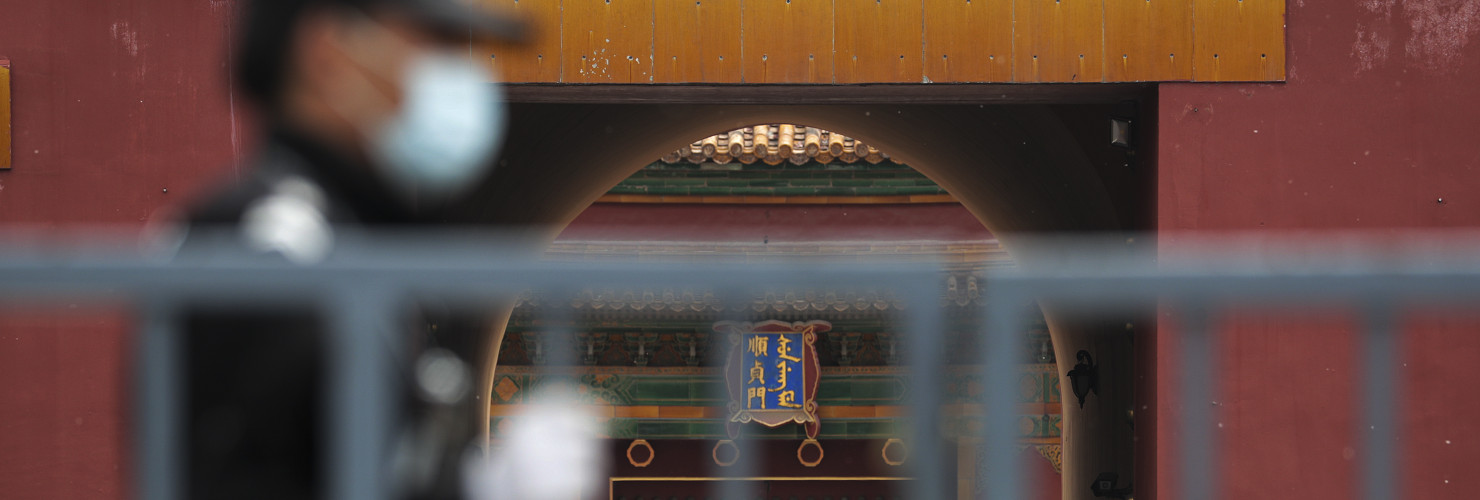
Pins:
<point x="606" y="87"/>
<point x="1013" y="169"/>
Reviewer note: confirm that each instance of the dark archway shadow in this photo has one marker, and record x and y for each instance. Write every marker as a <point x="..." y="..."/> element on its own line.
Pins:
<point x="1020" y="169"/>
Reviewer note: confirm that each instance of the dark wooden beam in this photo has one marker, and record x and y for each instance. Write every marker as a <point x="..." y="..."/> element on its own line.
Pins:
<point x="774" y="94"/>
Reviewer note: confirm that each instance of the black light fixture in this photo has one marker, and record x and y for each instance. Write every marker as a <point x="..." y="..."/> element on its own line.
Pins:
<point x="1085" y="377"/>
<point x="1120" y="132"/>
<point x="1122" y="122"/>
<point x="1104" y="486"/>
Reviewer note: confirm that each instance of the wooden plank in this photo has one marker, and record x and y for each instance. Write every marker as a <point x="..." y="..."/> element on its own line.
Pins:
<point x="787" y="41"/>
<point x="5" y="155"/>
<point x="968" y="41"/>
<point x="538" y="58"/>
<point x="877" y="41"/>
<point x="607" y="41"/>
<point x="1238" y="40"/>
<point x="982" y="93"/>
<point x="1148" y="40"/>
<point x="697" y="41"/>
<point x="863" y="41"/>
<point x="1059" y="40"/>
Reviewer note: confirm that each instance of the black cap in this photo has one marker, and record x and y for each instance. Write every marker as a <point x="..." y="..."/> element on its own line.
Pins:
<point x="456" y="18"/>
<point x="268" y="25"/>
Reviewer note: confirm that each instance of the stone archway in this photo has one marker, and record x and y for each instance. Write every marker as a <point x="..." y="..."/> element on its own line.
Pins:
<point x="1020" y="169"/>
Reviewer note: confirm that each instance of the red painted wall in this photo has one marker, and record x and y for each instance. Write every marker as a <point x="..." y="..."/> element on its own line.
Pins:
<point x="114" y="103"/>
<point x="1377" y="123"/>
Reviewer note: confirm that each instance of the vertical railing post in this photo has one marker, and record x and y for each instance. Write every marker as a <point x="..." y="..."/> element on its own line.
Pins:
<point x="1379" y="406"/>
<point x="1004" y="322"/>
<point x="361" y="386"/>
<point x="1198" y="395"/>
<point x="927" y="378"/>
<point x="558" y="336"/>
<point x="159" y="405"/>
<point x="735" y="481"/>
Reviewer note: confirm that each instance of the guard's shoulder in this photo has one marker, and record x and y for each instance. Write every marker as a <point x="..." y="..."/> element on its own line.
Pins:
<point x="271" y="211"/>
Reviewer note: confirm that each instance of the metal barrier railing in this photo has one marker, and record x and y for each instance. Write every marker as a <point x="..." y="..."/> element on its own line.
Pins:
<point x="360" y="286"/>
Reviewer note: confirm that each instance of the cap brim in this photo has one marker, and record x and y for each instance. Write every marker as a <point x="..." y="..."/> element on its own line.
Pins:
<point x="457" y="19"/>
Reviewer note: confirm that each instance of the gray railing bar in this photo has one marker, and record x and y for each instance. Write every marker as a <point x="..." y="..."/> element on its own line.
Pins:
<point x="30" y="279"/>
<point x="1198" y="433"/>
<point x="1004" y="323"/>
<point x="158" y="407"/>
<point x="492" y="275"/>
<point x="1107" y="291"/>
<point x="1381" y="378"/>
<point x="360" y="408"/>
<point x="361" y="383"/>
<point x="748" y="463"/>
<point x="559" y="335"/>
<point x="925" y="342"/>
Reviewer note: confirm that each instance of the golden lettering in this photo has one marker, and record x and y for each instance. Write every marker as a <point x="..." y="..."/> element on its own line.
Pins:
<point x="783" y="349"/>
<point x="781" y="370"/>
<point x="757" y="372"/>
<point x="787" y="399"/>
<point x="753" y="393"/>
<point x="758" y="346"/>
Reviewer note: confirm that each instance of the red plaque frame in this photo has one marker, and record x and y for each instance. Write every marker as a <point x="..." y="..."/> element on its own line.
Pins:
<point x="811" y="375"/>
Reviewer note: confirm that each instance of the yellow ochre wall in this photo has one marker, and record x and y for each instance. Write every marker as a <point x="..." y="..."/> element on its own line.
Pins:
<point x="893" y="41"/>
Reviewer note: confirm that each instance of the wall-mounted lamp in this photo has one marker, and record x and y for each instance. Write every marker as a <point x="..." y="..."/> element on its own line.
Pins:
<point x="1120" y="132"/>
<point x="1085" y="377"/>
<point x="1104" y="486"/>
<point x="1121" y="120"/>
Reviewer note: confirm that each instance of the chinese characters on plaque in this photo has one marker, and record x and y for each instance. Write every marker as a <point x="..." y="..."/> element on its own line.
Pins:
<point x="773" y="373"/>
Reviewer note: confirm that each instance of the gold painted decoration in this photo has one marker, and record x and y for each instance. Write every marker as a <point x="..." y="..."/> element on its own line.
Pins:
<point x="902" y="453"/>
<point x="643" y="444"/>
<point x="733" y="453"/>
<point x="4" y="114"/>
<point x="1054" y="453"/>
<point x="801" y="451"/>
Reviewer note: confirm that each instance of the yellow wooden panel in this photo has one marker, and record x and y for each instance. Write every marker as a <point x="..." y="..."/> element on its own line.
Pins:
<point x="1238" y="40"/>
<point x="1059" y="40"/>
<point x="607" y="41"/>
<point x="1148" y="40"/>
<point x="535" y="60"/>
<point x="877" y="41"/>
<point x="4" y="114"/>
<point x="968" y="40"/>
<point x="861" y="41"/>
<point x="787" y="41"/>
<point x="697" y="41"/>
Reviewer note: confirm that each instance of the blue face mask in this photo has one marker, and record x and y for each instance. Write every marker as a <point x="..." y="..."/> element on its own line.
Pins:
<point x="447" y="132"/>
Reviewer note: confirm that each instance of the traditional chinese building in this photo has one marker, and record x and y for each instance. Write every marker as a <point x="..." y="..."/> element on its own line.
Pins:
<point x="650" y="358"/>
<point x="1261" y="116"/>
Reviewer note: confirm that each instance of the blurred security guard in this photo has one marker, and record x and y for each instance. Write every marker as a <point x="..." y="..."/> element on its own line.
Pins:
<point x="377" y="116"/>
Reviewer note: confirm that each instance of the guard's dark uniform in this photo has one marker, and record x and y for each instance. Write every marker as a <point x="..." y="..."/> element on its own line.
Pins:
<point x="255" y="375"/>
